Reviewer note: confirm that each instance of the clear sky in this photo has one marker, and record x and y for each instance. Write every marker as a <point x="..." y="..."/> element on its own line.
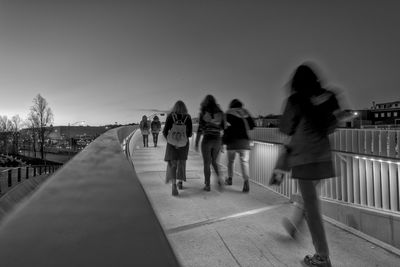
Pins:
<point x="109" y="61"/>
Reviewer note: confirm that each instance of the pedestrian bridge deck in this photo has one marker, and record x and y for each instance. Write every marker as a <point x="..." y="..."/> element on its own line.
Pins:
<point x="230" y="228"/>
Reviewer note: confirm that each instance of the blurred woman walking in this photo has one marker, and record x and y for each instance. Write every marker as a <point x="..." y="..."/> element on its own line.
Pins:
<point x="309" y="117"/>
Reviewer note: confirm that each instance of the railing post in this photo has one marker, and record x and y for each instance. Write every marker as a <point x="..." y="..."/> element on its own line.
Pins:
<point x="27" y="172"/>
<point x="9" y="177"/>
<point x="34" y="171"/>
<point x="40" y="170"/>
<point x="19" y="175"/>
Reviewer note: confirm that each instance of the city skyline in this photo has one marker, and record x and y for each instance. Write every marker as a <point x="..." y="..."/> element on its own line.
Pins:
<point x="113" y="61"/>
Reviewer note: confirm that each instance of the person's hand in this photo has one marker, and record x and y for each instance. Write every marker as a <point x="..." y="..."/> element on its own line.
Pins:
<point x="223" y="149"/>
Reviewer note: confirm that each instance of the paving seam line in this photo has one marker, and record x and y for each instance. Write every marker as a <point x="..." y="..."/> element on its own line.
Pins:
<point x="220" y="219"/>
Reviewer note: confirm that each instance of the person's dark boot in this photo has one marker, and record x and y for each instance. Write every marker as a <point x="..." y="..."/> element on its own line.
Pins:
<point x="317" y="261"/>
<point x="207" y="188"/>
<point x="180" y="185"/>
<point x="246" y="187"/>
<point x="228" y="181"/>
<point x="174" y="190"/>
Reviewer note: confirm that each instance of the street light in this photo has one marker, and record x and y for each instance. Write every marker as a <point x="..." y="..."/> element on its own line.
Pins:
<point x="359" y="115"/>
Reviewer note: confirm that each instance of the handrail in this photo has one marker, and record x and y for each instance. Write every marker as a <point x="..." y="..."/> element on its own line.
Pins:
<point x="92" y="212"/>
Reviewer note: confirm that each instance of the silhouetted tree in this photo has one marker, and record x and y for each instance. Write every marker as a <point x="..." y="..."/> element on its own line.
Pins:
<point x="42" y="117"/>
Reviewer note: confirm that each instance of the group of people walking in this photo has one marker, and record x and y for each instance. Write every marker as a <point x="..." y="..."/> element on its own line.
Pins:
<point x="153" y="127"/>
<point x="311" y="113"/>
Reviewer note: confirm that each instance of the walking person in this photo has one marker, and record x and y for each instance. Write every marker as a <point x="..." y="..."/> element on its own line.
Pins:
<point x="177" y="130"/>
<point x="211" y="124"/>
<point x="155" y="129"/>
<point x="144" y="130"/>
<point x="236" y="139"/>
<point x="308" y="118"/>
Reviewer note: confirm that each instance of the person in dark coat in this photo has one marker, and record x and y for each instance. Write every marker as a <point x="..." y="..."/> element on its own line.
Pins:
<point x="155" y="129"/>
<point x="236" y="139"/>
<point x="309" y="116"/>
<point x="145" y="130"/>
<point x="176" y="156"/>
<point x="211" y="124"/>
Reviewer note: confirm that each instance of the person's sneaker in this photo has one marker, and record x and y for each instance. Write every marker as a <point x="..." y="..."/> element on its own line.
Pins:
<point x="180" y="185"/>
<point x="246" y="187"/>
<point x="317" y="261"/>
<point x="290" y="228"/>
<point x="174" y="190"/>
<point x="228" y="181"/>
<point x="207" y="188"/>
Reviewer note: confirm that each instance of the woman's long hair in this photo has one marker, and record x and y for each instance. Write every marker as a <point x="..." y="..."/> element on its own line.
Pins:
<point x="179" y="108"/>
<point x="305" y="81"/>
<point x="209" y="104"/>
<point x="304" y="85"/>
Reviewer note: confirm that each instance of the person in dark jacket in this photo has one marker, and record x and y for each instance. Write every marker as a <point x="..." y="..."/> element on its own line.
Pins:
<point x="211" y="124"/>
<point x="309" y="116"/>
<point x="176" y="156"/>
<point x="145" y="130"/>
<point x="155" y="129"/>
<point x="236" y="139"/>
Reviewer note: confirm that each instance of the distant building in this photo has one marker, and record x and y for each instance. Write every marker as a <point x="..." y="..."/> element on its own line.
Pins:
<point x="268" y="121"/>
<point x="386" y="113"/>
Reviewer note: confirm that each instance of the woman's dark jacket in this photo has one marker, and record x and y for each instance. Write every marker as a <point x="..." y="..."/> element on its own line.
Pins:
<point x="155" y="126"/>
<point x="211" y="125"/>
<point x="235" y="135"/>
<point x="309" y="123"/>
<point x="172" y="152"/>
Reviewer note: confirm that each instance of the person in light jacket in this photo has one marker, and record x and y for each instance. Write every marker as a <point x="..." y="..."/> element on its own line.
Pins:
<point x="236" y="139"/>
<point x="155" y="129"/>
<point x="176" y="156"/>
<point x="308" y="118"/>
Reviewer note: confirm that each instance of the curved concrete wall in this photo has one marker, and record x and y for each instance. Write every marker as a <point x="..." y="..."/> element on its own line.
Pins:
<point x="91" y="212"/>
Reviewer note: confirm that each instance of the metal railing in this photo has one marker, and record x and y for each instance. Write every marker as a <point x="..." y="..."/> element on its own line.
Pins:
<point x="12" y="176"/>
<point x="367" y="164"/>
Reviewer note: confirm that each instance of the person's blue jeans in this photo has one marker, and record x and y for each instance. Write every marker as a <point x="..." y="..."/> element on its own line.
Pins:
<point x="145" y="140"/>
<point x="155" y="138"/>
<point x="244" y="156"/>
<point x="210" y="150"/>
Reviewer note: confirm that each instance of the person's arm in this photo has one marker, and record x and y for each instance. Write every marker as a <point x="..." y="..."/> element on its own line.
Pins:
<point x="189" y="128"/>
<point x="199" y="132"/>
<point x="250" y="121"/>
<point x="290" y="117"/>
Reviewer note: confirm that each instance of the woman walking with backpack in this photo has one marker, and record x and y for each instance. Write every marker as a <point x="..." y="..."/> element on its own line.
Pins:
<point x="308" y="118"/>
<point x="177" y="148"/>
<point x="211" y="124"/>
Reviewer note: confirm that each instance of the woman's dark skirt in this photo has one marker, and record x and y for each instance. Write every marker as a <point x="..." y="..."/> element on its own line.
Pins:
<point x="314" y="171"/>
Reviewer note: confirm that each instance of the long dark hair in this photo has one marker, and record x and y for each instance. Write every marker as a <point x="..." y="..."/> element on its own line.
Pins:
<point x="306" y="84"/>
<point x="209" y="104"/>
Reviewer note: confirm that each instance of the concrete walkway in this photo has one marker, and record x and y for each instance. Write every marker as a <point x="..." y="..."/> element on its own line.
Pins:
<point x="230" y="228"/>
